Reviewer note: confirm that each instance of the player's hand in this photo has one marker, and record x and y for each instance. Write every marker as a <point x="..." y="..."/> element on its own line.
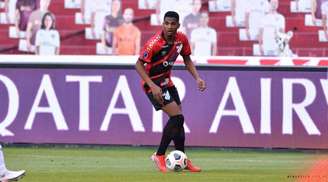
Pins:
<point x="201" y="84"/>
<point x="157" y="93"/>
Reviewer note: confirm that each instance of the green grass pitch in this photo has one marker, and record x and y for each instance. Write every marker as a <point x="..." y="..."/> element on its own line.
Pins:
<point x="107" y="164"/>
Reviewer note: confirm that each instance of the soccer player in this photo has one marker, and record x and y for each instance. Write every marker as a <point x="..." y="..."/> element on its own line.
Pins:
<point x="154" y="66"/>
<point x="7" y="175"/>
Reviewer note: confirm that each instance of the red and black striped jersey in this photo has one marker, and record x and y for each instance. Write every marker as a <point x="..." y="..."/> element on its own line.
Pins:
<point x="159" y="57"/>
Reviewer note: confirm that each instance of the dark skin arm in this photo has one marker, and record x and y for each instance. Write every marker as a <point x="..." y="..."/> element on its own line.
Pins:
<point x="156" y="90"/>
<point x="170" y="27"/>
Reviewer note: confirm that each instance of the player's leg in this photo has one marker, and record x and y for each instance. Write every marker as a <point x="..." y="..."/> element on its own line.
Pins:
<point x="179" y="139"/>
<point x="172" y="127"/>
<point x="168" y="134"/>
<point x="5" y="174"/>
<point x="176" y="132"/>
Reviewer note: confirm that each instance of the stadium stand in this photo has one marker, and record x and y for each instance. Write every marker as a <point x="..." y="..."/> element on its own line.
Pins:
<point x="305" y="41"/>
<point x="219" y="5"/>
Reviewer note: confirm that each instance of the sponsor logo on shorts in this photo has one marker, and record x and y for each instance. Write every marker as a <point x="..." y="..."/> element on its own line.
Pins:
<point x="166" y="95"/>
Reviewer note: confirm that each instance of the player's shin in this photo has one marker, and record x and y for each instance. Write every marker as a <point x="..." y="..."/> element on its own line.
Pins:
<point x="179" y="138"/>
<point x="171" y="131"/>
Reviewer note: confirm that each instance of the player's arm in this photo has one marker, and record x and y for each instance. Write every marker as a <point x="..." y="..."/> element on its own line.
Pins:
<point x="192" y="69"/>
<point x="156" y="90"/>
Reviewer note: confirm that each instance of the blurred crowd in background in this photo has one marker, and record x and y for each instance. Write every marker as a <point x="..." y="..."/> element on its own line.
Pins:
<point x="116" y="33"/>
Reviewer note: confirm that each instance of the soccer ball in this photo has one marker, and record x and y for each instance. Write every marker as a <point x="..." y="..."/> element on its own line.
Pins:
<point x="176" y="161"/>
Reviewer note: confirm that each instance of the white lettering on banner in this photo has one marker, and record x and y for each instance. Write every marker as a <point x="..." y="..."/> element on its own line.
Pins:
<point x="130" y="109"/>
<point x="299" y="108"/>
<point x="13" y="105"/>
<point x="265" y="106"/>
<point x="232" y="89"/>
<point x="47" y="89"/>
<point x="158" y="115"/>
<point x="122" y="89"/>
<point x="324" y="85"/>
<point x="84" y="83"/>
<point x="157" y="121"/>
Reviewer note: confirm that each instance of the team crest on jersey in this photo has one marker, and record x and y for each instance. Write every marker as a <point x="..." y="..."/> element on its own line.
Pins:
<point x="179" y="47"/>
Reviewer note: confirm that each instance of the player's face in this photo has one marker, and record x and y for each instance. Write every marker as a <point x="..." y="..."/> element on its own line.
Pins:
<point x="170" y="26"/>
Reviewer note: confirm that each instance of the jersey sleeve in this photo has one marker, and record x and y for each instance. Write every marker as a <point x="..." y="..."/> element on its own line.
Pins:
<point x="146" y="53"/>
<point x="186" y="51"/>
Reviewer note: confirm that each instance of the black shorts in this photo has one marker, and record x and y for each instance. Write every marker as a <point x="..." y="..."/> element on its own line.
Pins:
<point x="170" y="94"/>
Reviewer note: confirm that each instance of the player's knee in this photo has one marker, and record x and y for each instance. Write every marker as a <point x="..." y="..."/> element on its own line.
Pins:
<point x="177" y="120"/>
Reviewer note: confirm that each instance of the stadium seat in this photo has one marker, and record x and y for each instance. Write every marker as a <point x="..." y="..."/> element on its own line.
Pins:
<point x="80" y="20"/>
<point x="219" y="5"/>
<point x="153" y="20"/>
<point x="142" y="5"/>
<point x="102" y="50"/>
<point x="14" y="34"/>
<point x="229" y="22"/>
<point x="300" y="6"/>
<point x="4" y="19"/>
<point x="322" y="36"/>
<point x="10" y="13"/>
<point x="309" y="22"/>
<point x="22" y="46"/>
<point x="256" y="50"/>
<point x="72" y="4"/>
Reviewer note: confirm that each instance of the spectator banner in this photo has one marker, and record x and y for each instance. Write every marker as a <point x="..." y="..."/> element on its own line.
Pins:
<point x="242" y="107"/>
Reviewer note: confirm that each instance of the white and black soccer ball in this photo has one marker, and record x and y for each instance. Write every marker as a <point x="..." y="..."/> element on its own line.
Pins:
<point x="176" y="161"/>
